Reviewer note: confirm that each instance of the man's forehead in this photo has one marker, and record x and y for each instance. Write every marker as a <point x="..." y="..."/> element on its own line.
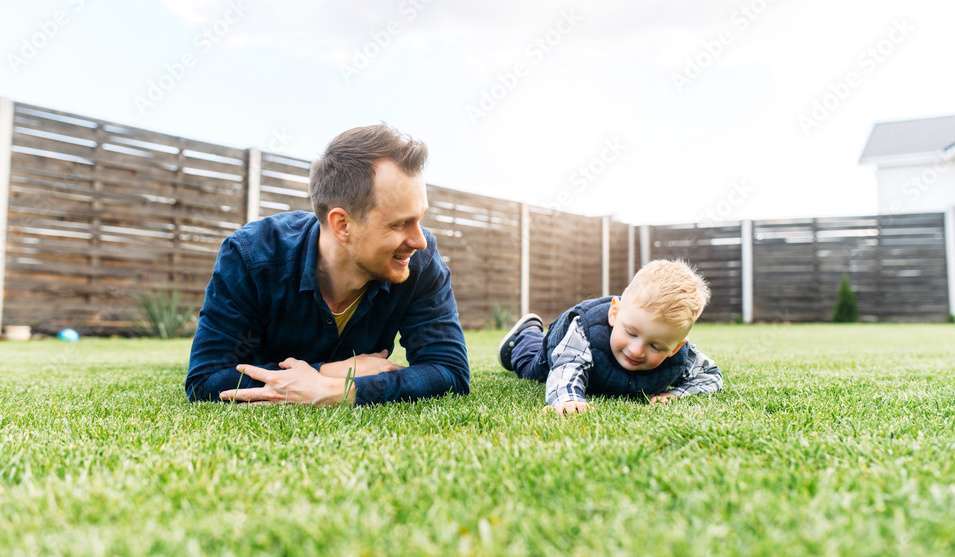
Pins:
<point x="408" y="200"/>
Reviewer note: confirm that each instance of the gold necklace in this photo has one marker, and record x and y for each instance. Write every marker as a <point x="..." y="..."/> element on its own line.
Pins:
<point x="342" y="312"/>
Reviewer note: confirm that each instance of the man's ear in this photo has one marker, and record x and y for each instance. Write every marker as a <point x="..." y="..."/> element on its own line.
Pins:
<point x="338" y="223"/>
<point x="612" y="310"/>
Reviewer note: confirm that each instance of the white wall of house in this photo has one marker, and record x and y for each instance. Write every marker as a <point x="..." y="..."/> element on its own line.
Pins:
<point x="925" y="188"/>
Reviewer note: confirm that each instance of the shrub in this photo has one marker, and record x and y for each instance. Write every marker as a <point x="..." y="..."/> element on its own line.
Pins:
<point x="164" y="316"/>
<point x="501" y="317"/>
<point x="847" y="307"/>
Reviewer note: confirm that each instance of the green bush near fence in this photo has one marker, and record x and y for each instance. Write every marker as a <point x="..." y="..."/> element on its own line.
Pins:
<point x="164" y="316"/>
<point x="827" y="440"/>
<point x="847" y="306"/>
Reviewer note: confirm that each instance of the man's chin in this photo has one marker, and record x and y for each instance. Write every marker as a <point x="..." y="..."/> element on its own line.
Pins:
<point x="394" y="276"/>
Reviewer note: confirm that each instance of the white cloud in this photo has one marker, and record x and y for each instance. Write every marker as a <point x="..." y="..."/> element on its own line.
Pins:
<point x="194" y="12"/>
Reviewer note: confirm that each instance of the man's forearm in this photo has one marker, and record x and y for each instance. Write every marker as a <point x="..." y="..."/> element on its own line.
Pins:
<point x="207" y="386"/>
<point x="415" y="382"/>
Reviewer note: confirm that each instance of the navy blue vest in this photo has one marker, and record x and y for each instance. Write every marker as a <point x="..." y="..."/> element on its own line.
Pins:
<point x="607" y="377"/>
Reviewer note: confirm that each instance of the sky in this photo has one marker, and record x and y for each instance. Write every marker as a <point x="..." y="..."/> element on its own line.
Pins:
<point x="656" y="111"/>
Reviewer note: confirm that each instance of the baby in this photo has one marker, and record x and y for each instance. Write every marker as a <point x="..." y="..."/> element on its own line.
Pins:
<point x="634" y="345"/>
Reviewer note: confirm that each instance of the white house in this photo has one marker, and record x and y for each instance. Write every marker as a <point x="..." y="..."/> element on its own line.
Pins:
<point x="915" y="164"/>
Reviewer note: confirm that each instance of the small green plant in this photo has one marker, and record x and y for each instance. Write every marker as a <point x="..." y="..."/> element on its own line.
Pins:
<point x="847" y="307"/>
<point x="165" y="316"/>
<point x="951" y="318"/>
<point x="501" y="317"/>
<point x="350" y="378"/>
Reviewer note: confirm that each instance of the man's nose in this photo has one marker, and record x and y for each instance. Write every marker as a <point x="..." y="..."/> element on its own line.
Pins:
<point x="417" y="239"/>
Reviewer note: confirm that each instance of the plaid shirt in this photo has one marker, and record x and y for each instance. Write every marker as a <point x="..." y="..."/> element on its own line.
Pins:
<point x="568" y="378"/>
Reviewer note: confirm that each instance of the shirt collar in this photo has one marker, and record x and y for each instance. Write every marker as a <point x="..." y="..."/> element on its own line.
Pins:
<point x="310" y="265"/>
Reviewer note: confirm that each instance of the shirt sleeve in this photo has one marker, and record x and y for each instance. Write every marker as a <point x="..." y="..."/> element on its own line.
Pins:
<point x="229" y="331"/>
<point x="434" y="345"/>
<point x="701" y="376"/>
<point x="567" y="380"/>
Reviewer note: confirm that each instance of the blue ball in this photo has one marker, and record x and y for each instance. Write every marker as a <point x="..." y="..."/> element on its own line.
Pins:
<point x="68" y="335"/>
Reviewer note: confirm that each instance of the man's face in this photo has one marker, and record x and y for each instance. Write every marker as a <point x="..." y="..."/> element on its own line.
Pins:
<point x="384" y="241"/>
<point x="638" y="341"/>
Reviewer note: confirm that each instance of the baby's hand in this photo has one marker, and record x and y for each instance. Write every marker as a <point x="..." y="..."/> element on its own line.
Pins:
<point x="567" y="408"/>
<point x="662" y="398"/>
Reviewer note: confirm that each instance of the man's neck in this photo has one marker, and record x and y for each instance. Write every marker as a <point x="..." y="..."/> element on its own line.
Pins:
<point x="339" y="279"/>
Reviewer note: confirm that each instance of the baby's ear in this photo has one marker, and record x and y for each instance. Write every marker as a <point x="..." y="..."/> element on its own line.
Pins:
<point x="612" y="310"/>
<point x="678" y="347"/>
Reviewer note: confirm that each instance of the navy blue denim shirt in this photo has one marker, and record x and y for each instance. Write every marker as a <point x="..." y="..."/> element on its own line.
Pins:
<point x="263" y="305"/>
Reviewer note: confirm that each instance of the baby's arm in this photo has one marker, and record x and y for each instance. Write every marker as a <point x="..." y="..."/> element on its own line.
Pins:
<point x="567" y="380"/>
<point x="701" y="376"/>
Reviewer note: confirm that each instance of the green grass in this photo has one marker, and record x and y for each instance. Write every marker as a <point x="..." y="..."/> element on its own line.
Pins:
<point x="827" y="439"/>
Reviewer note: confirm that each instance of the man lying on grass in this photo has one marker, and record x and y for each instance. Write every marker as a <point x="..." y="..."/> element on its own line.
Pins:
<point x="294" y="296"/>
<point x="630" y="346"/>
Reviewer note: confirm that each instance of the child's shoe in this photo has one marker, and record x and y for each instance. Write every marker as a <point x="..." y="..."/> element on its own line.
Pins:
<point x="510" y="339"/>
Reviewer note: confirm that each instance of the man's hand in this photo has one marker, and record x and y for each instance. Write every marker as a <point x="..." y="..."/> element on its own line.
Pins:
<point x="296" y="383"/>
<point x="567" y="408"/>
<point x="662" y="398"/>
<point x="366" y="364"/>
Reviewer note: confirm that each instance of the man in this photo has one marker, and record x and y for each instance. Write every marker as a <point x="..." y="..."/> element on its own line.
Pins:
<point x="293" y="297"/>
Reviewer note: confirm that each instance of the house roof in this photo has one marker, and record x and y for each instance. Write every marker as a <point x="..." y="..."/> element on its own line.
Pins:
<point x="911" y="141"/>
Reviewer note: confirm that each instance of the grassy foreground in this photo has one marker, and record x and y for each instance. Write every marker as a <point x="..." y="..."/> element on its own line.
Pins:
<point x="827" y="440"/>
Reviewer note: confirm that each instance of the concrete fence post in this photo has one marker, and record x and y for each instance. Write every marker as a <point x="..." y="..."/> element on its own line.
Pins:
<point x="950" y="257"/>
<point x="525" y="259"/>
<point x="6" y="161"/>
<point x="746" y="261"/>
<point x="644" y="244"/>
<point x="253" y="184"/>
<point x="605" y="256"/>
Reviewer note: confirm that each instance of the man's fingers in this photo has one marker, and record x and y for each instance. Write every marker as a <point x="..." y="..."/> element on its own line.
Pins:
<point x="290" y="362"/>
<point x="256" y="373"/>
<point x="247" y="395"/>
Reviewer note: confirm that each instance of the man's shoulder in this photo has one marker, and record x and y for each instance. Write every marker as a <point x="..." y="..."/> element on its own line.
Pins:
<point x="277" y="237"/>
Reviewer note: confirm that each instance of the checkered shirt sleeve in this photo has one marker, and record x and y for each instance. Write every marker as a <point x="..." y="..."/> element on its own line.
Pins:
<point x="572" y="359"/>
<point x="701" y="376"/>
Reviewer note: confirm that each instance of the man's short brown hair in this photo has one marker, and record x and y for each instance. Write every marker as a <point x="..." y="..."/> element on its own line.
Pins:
<point x="344" y="175"/>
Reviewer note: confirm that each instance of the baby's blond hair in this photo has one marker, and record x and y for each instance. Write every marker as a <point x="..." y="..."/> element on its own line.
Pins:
<point x="670" y="290"/>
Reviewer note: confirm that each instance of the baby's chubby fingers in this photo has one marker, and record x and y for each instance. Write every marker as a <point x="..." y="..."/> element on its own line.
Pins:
<point x="567" y="408"/>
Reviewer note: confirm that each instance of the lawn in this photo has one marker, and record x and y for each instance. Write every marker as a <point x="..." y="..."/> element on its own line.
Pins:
<point x="826" y="440"/>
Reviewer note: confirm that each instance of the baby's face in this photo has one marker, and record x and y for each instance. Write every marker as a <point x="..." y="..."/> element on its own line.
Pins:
<point x="638" y="341"/>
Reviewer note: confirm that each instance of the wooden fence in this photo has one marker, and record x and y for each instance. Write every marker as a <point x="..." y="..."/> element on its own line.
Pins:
<point x="98" y="213"/>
